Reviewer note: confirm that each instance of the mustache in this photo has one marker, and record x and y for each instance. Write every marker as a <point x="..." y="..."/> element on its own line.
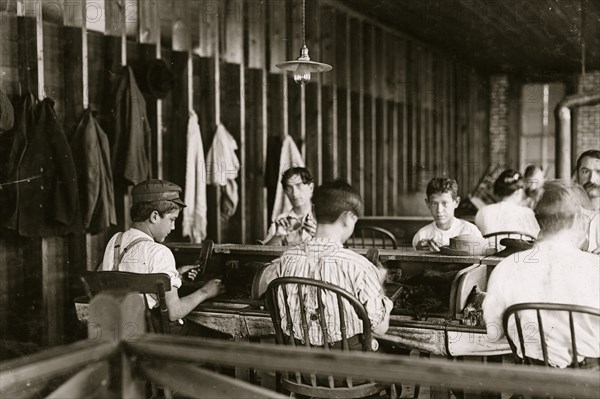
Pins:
<point x="589" y="186"/>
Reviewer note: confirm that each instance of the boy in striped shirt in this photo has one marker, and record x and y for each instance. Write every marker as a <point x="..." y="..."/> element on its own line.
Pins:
<point x="337" y="206"/>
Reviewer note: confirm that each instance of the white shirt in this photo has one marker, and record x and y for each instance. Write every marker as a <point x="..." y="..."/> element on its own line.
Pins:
<point x="552" y="272"/>
<point x="506" y="216"/>
<point x="431" y="231"/>
<point x="594" y="233"/>
<point x="145" y="257"/>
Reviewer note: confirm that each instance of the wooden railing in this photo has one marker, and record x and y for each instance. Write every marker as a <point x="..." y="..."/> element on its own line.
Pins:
<point x="119" y="358"/>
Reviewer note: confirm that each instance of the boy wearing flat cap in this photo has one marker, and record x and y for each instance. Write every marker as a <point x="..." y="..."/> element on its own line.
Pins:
<point x="156" y="206"/>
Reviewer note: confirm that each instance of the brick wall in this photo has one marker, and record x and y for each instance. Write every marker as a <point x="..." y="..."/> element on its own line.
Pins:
<point x="588" y="118"/>
<point x="499" y="112"/>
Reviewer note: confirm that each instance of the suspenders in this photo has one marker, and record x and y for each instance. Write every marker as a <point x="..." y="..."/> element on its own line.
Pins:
<point x="119" y="255"/>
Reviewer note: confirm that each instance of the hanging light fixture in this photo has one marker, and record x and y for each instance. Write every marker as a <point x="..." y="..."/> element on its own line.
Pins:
<point x="303" y="66"/>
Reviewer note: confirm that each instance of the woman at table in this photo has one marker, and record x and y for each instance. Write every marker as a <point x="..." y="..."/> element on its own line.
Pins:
<point x="509" y="214"/>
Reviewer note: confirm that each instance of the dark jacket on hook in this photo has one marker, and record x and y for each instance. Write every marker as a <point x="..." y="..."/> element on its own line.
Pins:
<point x="91" y="153"/>
<point x="43" y="200"/>
<point x="131" y="135"/>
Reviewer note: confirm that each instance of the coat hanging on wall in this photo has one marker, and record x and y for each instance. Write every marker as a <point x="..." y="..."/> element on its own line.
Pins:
<point x="194" y="215"/>
<point x="39" y="195"/>
<point x="130" y="140"/>
<point x="7" y="115"/>
<point x="91" y="154"/>
<point x="222" y="166"/>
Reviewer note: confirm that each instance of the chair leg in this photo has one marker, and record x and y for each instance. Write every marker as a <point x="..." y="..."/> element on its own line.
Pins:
<point x="394" y="394"/>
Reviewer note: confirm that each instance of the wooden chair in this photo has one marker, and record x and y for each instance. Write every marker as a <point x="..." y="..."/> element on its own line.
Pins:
<point x="297" y="383"/>
<point x="542" y="332"/>
<point x="499" y="235"/>
<point x="157" y="283"/>
<point x="371" y="237"/>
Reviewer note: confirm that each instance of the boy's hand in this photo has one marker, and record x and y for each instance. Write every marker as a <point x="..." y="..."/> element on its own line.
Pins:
<point x="381" y="273"/>
<point x="191" y="270"/>
<point x="430" y="244"/>
<point x="213" y="288"/>
<point x="283" y="222"/>
<point x="434" y="246"/>
<point x="310" y="226"/>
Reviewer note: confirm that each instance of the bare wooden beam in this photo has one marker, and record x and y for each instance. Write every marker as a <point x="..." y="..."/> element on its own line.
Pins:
<point x="376" y="366"/>
<point x="195" y="382"/>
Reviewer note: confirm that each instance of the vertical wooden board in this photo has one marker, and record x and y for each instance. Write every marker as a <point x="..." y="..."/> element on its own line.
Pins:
<point x="148" y="21"/>
<point x="345" y="103"/>
<point x="328" y="43"/>
<point x="73" y="78"/>
<point x="113" y="18"/>
<point x="435" y="125"/>
<point x="313" y="133"/>
<point x="380" y="158"/>
<point x="233" y="42"/>
<point x="53" y="67"/>
<point x="254" y="167"/>
<point x="28" y="69"/>
<point x="176" y="116"/>
<point x="255" y="14"/>
<point x="382" y="155"/>
<point x="204" y="98"/>
<point x="9" y="54"/>
<point x="357" y="106"/>
<point x="294" y="108"/>
<point x="102" y="74"/>
<point x="393" y="171"/>
<point x="230" y="101"/>
<point x="355" y="51"/>
<point x="372" y="136"/>
<point x="370" y="173"/>
<point x="12" y="292"/>
<point x="343" y="135"/>
<point x="420" y="125"/>
<point x="452" y="118"/>
<point x="443" y="116"/>
<point x="391" y="146"/>
<point x="277" y="35"/>
<point x="209" y="27"/>
<point x="189" y="14"/>
<point x="341" y="63"/>
<point x="411" y="118"/>
<point x="357" y="156"/>
<point x="432" y="160"/>
<point x="294" y="28"/>
<point x="313" y="29"/>
<point x="54" y="261"/>
<point x="275" y="100"/>
<point x="401" y="83"/>
<point x="328" y="161"/>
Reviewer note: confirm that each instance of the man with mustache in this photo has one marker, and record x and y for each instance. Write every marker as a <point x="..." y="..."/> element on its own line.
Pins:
<point x="588" y="175"/>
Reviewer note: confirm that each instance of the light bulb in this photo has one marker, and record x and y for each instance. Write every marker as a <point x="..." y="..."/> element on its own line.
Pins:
<point x="302" y="74"/>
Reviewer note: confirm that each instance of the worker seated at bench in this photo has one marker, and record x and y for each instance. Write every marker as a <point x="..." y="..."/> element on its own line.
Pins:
<point x="554" y="271"/>
<point x="337" y="207"/>
<point x="156" y="206"/>
<point x="442" y="199"/>
<point x="297" y="225"/>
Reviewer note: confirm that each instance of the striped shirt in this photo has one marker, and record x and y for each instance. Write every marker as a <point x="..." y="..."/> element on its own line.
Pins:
<point x="329" y="261"/>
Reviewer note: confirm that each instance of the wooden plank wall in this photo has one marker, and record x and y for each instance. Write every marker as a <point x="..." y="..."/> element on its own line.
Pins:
<point x="393" y="113"/>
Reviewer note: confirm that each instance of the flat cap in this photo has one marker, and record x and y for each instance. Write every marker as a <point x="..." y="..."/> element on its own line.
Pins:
<point x="156" y="190"/>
